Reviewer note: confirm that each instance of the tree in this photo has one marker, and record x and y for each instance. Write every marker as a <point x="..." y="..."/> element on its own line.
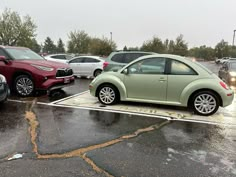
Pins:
<point x="154" y="45"/>
<point x="125" y="48"/>
<point x="203" y="52"/>
<point x="14" y="30"/>
<point x="180" y="47"/>
<point x="222" y="49"/>
<point x="35" y="46"/>
<point x="60" y="46"/>
<point x="78" y="42"/>
<point x="101" y="47"/>
<point x="49" y="46"/>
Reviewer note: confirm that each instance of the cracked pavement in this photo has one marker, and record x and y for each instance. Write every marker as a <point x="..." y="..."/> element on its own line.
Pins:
<point x="57" y="141"/>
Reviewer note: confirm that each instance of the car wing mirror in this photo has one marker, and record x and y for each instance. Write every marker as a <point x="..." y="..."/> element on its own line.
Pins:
<point x="4" y="59"/>
<point x="125" y="71"/>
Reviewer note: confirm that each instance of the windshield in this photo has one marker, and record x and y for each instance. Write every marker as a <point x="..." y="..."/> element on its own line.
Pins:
<point x="233" y="66"/>
<point x="25" y="54"/>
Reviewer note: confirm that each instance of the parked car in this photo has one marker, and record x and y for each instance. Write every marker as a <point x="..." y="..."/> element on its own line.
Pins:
<point x="62" y="58"/>
<point x="4" y="90"/>
<point x="117" y="60"/>
<point x="87" y="65"/>
<point x="228" y="73"/>
<point x="217" y="60"/>
<point x="26" y="71"/>
<point x="164" y="79"/>
<point x="224" y="59"/>
<point x="229" y="60"/>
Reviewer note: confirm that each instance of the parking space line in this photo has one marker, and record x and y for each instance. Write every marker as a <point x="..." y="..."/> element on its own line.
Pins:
<point x="125" y="112"/>
<point x="147" y="115"/>
<point x="72" y="96"/>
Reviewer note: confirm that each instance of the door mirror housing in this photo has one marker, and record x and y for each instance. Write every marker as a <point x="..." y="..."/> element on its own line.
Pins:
<point x="2" y="58"/>
<point x="125" y="71"/>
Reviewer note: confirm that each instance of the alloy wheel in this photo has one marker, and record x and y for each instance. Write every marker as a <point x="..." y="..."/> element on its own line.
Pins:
<point x="107" y="95"/>
<point x="24" y="86"/>
<point x="205" y="104"/>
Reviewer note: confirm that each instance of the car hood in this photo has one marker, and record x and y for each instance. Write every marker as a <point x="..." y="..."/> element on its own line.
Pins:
<point x="46" y="63"/>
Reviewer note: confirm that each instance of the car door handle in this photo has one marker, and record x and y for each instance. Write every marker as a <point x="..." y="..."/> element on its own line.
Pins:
<point x="162" y="79"/>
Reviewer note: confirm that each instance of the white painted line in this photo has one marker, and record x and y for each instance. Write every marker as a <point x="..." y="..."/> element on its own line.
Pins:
<point x="131" y="113"/>
<point x="148" y="115"/>
<point x="113" y="111"/>
<point x="72" y="96"/>
<point x="17" y="101"/>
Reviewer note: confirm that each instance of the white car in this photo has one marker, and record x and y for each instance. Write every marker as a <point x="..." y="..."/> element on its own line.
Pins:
<point x="62" y="58"/>
<point x="90" y="66"/>
<point x="224" y="59"/>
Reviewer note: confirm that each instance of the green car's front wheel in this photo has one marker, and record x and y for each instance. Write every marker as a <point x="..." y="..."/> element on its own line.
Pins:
<point x="108" y="94"/>
<point x="205" y="103"/>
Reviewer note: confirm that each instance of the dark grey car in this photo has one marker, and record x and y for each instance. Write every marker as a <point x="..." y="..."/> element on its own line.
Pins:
<point x="4" y="90"/>
<point x="117" y="60"/>
<point x="228" y="73"/>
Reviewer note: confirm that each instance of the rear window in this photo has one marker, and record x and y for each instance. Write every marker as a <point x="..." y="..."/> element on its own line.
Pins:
<point x="127" y="57"/>
<point x="118" y="58"/>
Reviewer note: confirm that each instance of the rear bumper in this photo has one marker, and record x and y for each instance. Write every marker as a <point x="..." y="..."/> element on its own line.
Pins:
<point x="227" y="98"/>
<point x="4" y="91"/>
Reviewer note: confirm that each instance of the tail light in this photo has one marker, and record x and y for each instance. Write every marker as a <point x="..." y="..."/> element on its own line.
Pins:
<point x="224" y="85"/>
<point x="105" y="64"/>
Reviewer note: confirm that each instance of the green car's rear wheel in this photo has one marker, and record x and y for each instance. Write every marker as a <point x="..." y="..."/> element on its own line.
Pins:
<point x="108" y="94"/>
<point x="205" y="103"/>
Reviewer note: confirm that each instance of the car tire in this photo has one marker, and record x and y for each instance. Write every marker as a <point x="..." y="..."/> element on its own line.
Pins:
<point x="205" y="103"/>
<point x="108" y="94"/>
<point x="24" y="85"/>
<point x="97" y="72"/>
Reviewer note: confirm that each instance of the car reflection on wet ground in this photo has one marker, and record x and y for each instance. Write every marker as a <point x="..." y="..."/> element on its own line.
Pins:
<point x="63" y="141"/>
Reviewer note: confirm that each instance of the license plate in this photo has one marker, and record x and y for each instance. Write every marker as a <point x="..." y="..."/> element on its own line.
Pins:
<point x="66" y="80"/>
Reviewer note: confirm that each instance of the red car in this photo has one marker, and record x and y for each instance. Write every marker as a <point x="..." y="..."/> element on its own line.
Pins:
<point x="26" y="71"/>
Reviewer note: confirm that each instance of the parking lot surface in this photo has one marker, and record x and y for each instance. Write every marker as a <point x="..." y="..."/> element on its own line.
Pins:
<point x="54" y="136"/>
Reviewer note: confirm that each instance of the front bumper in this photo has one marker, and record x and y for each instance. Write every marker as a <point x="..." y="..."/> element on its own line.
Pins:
<point x="56" y="83"/>
<point x="4" y="91"/>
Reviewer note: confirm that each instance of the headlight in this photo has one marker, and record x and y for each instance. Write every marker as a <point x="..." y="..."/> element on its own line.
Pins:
<point x="233" y="79"/>
<point x="2" y="79"/>
<point x="232" y="73"/>
<point x="44" y="68"/>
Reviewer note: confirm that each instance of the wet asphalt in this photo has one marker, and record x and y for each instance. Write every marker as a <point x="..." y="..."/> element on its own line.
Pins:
<point x="55" y="141"/>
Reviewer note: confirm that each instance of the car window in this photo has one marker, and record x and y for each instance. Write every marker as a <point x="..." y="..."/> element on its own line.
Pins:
<point x="118" y="58"/>
<point x="77" y="60"/>
<point x="129" y="57"/>
<point x="179" y="68"/>
<point x="91" y="60"/>
<point x="233" y="65"/>
<point x="148" y="66"/>
<point x="63" y="57"/>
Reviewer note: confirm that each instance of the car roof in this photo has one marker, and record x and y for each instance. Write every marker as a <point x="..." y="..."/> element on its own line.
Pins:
<point x="88" y="56"/>
<point x="12" y="47"/>
<point x="132" y="51"/>
<point x="57" y="54"/>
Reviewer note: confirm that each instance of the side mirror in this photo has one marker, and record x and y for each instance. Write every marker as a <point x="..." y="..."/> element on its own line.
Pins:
<point x="125" y="71"/>
<point x="2" y="58"/>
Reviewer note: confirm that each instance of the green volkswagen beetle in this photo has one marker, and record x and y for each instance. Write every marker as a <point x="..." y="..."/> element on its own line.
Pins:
<point x="164" y="79"/>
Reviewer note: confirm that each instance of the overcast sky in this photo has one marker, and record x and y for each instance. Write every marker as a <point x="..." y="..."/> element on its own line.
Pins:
<point x="132" y="21"/>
